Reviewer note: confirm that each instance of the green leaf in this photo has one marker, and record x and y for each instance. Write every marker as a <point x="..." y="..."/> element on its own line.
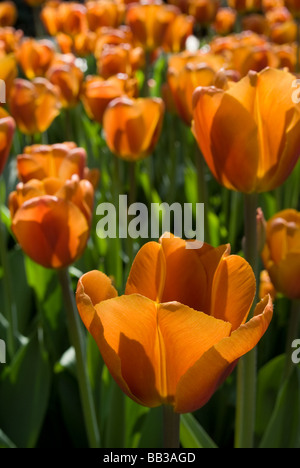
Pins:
<point x="152" y="429"/>
<point x="24" y="393"/>
<point x="268" y="383"/>
<point x="283" y="430"/>
<point x="192" y="434"/>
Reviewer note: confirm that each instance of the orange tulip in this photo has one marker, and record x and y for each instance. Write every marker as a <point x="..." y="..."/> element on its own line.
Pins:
<point x="50" y="17"/>
<point x="69" y="18"/>
<point x="283" y="28"/>
<point x="270" y="4"/>
<point x="235" y="131"/>
<point x="35" y="57"/>
<point x="149" y="22"/>
<point x="51" y="219"/>
<point x="224" y="21"/>
<point x="132" y="126"/>
<point x="243" y="6"/>
<point x="247" y="58"/>
<point x="33" y="104"/>
<point x="97" y="93"/>
<point x="185" y="73"/>
<point x="204" y="11"/>
<point x="257" y="23"/>
<point x="8" y="72"/>
<point x="294" y="7"/>
<point x="8" y="14"/>
<point x="180" y="328"/>
<point x="177" y="33"/>
<point x="61" y="161"/>
<point x="10" y="39"/>
<point x="281" y="255"/>
<point x="68" y="79"/>
<point x="104" y="13"/>
<point x="112" y="37"/>
<point x="7" y="129"/>
<point x="122" y="58"/>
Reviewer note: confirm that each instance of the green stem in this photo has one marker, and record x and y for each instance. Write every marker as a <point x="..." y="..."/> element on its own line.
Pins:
<point x="38" y="25"/>
<point x="171" y="427"/>
<point x="202" y="191"/>
<point x="247" y="366"/>
<point x="145" y="92"/>
<point x="9" y="304"/>
<point x="77" y="341"/>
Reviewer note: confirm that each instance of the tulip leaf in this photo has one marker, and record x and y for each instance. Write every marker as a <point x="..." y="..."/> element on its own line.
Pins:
<point x="152" y="429"/>
<point x="24" y="393"/>
<point x="268" y="382"/>
<point x="192" y="434"/>
<point x="283" y="430"/>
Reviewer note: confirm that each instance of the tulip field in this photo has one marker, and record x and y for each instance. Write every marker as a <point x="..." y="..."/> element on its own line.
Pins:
<point x="149" y="224"/>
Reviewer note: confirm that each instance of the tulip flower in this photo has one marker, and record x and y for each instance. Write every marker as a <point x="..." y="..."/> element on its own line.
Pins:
<point x="33" y="104"/>
<point x="224" y="21"/>
<point x="35" y="57"/>
<point x="10" y="39"/>
<point x="294" y="7"/>
<point x="68" y="79"/>
<point x="177" y="33"/>
<point x="112" y="37"/>
<point x="132" y="126"/>
<point x="281" y="255"/>
<point x="60" y="161"/>
<point x="180" y="328"/>
<point x="97" y="93"/>
<point x="149" y="22"/>
<point x="8" y="71"/>
<point x="104" y="13"/>
<point x="69" y="18"/>
<point x="235" y="131"/>
<point x="269" y="5"/>
<point x="51" y="219"/>
<point x="245" y="6"/>
<point x="7" y="129"/>
<point x="8" y="14"/>
<point x="204" y="11"/>
<point x="121" y="58"/>
<point x="187" y="71"/>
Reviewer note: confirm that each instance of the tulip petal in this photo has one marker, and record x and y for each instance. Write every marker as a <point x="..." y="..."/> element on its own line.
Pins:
<point x="189" y="273"/>
<point x="125" y="329"/>
<point x="233" y="290"/>
<point x="93" y="288"/>
<point x="186" y="335"/>
<point x="200" y="382"/>
<point x="147" y="274"/>
<point x="274" y="108"/>
<point x="221" y="127"/>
